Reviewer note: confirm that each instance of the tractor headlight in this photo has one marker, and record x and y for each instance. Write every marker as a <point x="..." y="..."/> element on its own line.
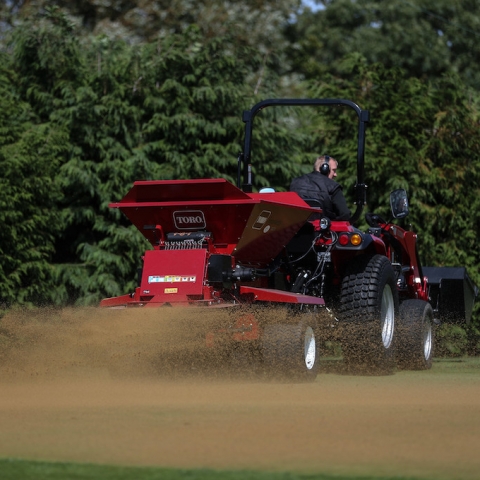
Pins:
<point x="325" y="224"/>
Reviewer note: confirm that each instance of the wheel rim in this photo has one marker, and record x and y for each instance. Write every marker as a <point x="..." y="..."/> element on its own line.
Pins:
<point x="388" y="316"/>
<point x="427" y="339"/>
<point x="309" y="348"/>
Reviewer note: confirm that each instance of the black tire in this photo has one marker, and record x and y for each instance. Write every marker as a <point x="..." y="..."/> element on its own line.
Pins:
<point x="415" y="338"/>
<point x="368" y="307"/>
<point x="291" y="352"/>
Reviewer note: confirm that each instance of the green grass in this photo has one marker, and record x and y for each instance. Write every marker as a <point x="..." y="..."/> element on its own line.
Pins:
<point x="457" y="366"/>
<point x="14" y="469"/>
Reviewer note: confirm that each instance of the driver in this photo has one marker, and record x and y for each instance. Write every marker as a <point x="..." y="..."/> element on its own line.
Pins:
<point x="320" y="186"/>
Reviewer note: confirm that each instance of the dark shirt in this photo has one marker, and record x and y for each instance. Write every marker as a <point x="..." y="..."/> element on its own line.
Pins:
<point x="315" y="186"/>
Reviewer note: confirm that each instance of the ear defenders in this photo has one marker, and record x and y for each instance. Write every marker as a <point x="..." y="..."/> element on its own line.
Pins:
<point x="325" y="167"/>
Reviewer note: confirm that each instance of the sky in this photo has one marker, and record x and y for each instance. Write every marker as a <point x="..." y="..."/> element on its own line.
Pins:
<point x="313" y="6"/>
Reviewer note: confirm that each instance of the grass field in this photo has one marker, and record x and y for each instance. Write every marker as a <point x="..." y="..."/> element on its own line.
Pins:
<point x="63" y="415"/>
<point x="27" y="470"/>
<point x="459" y="377"/>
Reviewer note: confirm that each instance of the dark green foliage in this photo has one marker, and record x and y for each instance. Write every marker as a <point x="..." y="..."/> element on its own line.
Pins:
<point x="428" y="38"/>
<point x="84" y="116"/>
<point x="451" y="341"/>
<point x="30" y="154"/>
<point x="253" y="22"/>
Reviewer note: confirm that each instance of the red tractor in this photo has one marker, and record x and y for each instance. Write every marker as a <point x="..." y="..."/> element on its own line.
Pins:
<point x="218" y="245"/>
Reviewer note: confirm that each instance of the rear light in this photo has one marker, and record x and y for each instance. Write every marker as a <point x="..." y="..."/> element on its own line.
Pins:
<point x="356" y="239"/>
<point x="343" y="239"/>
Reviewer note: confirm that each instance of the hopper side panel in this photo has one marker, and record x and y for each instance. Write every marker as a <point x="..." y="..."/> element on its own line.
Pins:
<point x="268" y="230"/>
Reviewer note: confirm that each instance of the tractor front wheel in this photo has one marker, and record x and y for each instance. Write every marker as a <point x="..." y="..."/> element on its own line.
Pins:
<point x="415" y="340"/>
<point x="291" y="352"/>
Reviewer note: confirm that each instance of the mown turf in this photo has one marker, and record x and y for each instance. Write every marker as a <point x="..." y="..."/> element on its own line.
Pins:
<point x="14" y="469"/>
<point x="18" y="469"/>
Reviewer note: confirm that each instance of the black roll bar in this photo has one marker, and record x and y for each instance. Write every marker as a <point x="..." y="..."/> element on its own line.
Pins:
<point x="244" y="165"/>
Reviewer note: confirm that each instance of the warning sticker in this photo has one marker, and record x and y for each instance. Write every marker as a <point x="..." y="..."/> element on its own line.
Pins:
<point x="171" y="278"/>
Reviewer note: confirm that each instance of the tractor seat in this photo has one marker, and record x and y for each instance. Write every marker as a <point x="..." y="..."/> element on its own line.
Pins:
<point x="313" y="202"/>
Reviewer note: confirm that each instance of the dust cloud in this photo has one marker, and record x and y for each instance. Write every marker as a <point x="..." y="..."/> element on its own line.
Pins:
<point x="51" y="343"/>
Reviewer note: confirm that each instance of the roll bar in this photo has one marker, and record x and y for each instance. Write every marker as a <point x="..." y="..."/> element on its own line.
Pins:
<point x="245" y="167"/>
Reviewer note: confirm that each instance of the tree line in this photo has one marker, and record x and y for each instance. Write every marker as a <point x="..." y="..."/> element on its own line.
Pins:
<point x="88" y="111"/>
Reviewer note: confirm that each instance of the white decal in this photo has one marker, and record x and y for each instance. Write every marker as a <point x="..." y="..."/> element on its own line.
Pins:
<point x="262" y="218"/>
<point x="189" y="220"/>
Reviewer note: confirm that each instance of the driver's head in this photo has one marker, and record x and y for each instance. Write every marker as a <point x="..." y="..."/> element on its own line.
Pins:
<point x="333" y="164"/>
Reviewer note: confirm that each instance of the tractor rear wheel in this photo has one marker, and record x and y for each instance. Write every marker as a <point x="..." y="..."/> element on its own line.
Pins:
<point x="415" y="340"/>
<point x="368" y="306"/>
<point x="291" y="352"/>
